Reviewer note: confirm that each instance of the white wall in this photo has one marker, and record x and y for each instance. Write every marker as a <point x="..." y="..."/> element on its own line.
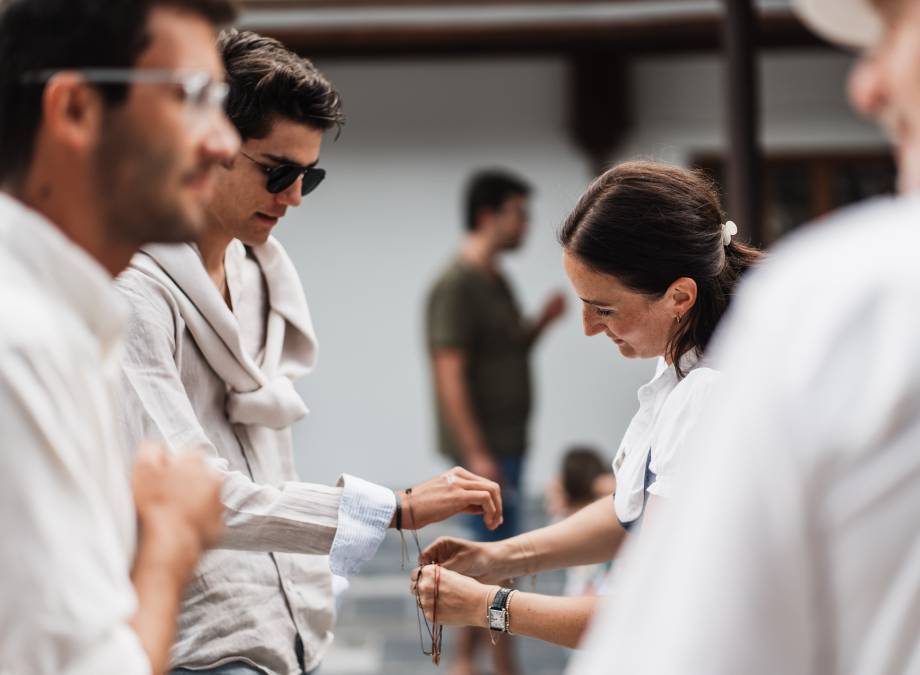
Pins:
<point x="370" y="240"/>
<point x="803" y="105"/>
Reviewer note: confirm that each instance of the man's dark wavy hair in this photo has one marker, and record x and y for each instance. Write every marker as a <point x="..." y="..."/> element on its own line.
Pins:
<point x="268" y="81"/>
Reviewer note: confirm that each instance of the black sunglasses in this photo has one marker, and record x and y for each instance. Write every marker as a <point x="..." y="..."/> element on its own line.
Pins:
<point x="282" y="176"/>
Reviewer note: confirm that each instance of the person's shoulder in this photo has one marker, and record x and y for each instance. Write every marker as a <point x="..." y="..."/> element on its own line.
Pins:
<point x="453" y="277"/>
<point x="30" y="317"/>
<point x="150" y="299"/>
<point x="455" y="270"/>
<point x="138" y="285"/>
<point x="695" y="387"/>
<point x="701" y="377"/>
<point x="39" y="329"/>
<point x="861" y="249"/>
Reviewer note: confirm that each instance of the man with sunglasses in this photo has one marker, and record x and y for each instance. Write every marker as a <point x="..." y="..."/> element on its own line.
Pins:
<point x="111" y="130"/>
<point x="219" y="333"/>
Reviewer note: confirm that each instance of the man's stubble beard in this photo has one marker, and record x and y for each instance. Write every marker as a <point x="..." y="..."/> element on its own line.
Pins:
<point x="138" y="187"/>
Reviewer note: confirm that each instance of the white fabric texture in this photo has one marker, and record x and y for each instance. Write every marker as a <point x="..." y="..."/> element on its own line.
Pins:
<point x="258" y="393"/>
<point x="365" y="514"/>
<point x="668" y="410"/>
<point x="66" y="510"/>
<point x="198" y="373"/>
<point x="794" y="546"/>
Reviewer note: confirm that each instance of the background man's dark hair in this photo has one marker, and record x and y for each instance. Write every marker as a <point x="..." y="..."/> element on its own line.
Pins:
<point x="40" y="35"/>
<point x="489" y="190"/>
<point x="268" y="81"/>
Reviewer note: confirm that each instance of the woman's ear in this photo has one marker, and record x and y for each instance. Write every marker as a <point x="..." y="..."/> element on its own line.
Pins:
<point x="682" y="296"/>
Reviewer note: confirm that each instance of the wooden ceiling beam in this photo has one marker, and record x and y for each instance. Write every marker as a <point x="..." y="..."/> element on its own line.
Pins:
<point x="633" y="38"/>
<point x="394" y="4"/>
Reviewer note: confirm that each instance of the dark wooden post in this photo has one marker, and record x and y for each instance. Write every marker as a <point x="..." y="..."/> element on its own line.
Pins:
<point x="600" y="100"/>
<point x="744" y="157"/>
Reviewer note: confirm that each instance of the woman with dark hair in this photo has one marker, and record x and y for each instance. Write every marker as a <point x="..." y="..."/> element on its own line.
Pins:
<point x="651" y="255"/>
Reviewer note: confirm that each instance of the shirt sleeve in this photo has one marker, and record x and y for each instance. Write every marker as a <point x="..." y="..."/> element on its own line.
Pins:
<point x="450" y="318"/>
<point x="295" y="517"/>
<point x="66" y="597"/>
<point x="365" y="514"/>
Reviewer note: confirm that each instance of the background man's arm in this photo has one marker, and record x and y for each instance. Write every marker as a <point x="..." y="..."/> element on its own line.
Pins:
<point x="552" y="311"/>
<point x="456" y="404"/>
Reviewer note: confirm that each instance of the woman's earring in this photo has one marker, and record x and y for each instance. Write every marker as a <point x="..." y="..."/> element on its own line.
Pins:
<point x="677" y="318"/>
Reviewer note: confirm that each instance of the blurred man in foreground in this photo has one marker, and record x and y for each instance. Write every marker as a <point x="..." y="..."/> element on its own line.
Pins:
<point x="110" y="130"/>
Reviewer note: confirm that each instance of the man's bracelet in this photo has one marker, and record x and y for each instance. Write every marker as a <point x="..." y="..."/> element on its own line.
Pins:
<point x="398" y="511"/>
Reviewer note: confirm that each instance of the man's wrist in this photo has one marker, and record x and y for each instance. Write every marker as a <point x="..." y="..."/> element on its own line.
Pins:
<point x="475" y="454"/>
<point x="399" y="515"/>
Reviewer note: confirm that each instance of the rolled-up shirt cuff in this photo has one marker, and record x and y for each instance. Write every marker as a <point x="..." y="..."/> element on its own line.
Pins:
<point x="365" y="513"/>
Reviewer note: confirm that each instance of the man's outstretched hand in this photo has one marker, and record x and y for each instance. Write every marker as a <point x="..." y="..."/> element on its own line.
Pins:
<point x="453" y="492"/>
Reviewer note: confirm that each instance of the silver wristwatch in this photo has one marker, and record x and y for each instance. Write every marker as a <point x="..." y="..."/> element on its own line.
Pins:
<point x="498" y="611"/>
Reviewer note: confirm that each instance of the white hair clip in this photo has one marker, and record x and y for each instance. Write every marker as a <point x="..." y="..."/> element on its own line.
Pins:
<point x="729" y="230"/>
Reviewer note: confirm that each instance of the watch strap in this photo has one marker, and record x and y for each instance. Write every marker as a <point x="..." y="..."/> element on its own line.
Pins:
<point x="500" y="599"/>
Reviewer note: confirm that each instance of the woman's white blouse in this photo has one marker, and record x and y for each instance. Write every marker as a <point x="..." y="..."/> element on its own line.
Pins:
<point x="668" y="409"/>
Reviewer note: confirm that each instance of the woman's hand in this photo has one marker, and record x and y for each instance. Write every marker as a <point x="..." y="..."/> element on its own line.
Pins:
<point x="457" y="491"/>
<point x="480" y="560"/>
<point x="461" y="601"/>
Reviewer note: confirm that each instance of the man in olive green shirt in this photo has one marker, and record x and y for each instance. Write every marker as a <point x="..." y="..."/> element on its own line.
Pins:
<point x="480" y="345"/>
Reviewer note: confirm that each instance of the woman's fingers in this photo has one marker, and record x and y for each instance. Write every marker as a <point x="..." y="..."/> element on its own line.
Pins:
<point x="421" y="585"/>
<point x="441" y="550"/>
<point x="413" y="579"/>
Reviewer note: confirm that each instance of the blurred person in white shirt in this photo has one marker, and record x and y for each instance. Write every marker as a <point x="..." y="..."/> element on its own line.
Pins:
<point x="111" y="128"/>
<point x="796" y="548"/>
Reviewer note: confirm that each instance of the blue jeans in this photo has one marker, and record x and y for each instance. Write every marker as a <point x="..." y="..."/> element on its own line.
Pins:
<point x="511" y="468"/>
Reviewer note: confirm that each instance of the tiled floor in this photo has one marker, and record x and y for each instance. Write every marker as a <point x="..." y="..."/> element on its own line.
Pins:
<point x="377" y="630"/>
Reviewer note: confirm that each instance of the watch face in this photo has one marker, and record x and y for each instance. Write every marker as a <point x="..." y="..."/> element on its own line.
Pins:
<point x="497" y="619"/>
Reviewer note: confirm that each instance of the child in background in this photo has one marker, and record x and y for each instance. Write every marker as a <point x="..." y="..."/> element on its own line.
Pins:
<point x="584" y="477"/>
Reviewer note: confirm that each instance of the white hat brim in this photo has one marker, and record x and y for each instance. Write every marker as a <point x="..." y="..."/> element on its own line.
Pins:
<point x="853" y="23"/>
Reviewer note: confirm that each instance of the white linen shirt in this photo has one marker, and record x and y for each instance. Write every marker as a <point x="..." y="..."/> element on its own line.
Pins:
<point x="252" y="600"/>
<point x="668" y="410"/>
<point x="66" y="511"/>
<point x="796" y="545"/>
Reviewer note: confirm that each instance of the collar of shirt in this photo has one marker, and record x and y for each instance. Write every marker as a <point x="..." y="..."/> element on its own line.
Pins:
<point x="665" y="377"/>
<point x="234" y="258"/>
<point x="65" y="269"/>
